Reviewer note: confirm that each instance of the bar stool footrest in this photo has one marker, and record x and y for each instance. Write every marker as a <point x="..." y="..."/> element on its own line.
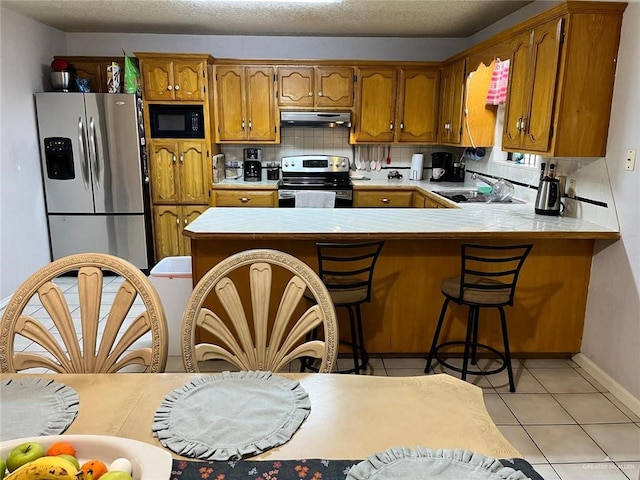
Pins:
<point x="500" y="355"/>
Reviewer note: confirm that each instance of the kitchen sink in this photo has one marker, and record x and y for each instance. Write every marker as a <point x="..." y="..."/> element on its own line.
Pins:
<point x="472" y="196"/>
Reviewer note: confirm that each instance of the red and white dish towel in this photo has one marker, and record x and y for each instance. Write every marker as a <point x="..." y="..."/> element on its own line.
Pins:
<point x="498" y="87"/>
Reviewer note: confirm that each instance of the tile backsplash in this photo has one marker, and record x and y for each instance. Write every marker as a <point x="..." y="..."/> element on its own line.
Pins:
<point x="330" y="141"/>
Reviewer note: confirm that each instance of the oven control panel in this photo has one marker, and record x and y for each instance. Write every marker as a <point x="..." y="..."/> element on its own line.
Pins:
<point x="315" y="164"/>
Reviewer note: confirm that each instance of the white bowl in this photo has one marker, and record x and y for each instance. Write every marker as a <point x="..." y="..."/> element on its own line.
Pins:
<point x="148" y="461"/>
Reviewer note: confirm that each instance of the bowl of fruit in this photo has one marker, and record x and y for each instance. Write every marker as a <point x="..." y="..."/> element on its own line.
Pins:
<point x="82" y="457"/>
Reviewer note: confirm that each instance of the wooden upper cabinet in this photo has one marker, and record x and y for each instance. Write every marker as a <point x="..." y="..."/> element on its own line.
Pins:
<point x="315" y="86"/>
<point x="183" y="80"/>
<point x="451" y="103"/>
<point x="418" y="105"/>
<point x="296" y="86"/>
<point x="375" y="121"/>
<point x="245" y="104"/>
<point x="561" y="80"/>
<point x="334" y="86"/>
<point x="533" y="73"/>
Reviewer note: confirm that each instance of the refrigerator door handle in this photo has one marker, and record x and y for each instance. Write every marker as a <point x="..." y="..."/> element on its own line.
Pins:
<point x="83" y="153"/>
<point x="94" y="152"/>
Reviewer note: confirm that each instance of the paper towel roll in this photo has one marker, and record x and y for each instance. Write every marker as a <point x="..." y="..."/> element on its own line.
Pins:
<point x="417" y="164"/>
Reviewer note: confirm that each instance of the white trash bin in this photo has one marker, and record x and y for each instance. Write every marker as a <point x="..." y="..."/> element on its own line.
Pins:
<point x="172" y="279"/>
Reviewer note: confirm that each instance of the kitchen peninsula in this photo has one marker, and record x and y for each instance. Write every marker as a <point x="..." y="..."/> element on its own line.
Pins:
<point x="422" y="246"/>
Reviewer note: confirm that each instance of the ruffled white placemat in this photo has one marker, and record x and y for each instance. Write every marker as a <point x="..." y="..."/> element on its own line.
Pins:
<point x="231" y="415"/>
<point x="423" y="463"/>
<point x="31" y="407"/>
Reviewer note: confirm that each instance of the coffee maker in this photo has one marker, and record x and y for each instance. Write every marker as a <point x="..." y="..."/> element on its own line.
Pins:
<point x="252" y="164"/>
<point x="453" y="171"/>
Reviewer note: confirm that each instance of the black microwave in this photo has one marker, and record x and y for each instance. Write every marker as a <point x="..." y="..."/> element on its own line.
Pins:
<point x="176" y="121"/>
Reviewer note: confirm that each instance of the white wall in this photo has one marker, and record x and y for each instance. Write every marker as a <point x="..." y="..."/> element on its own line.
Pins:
<point x="612" y="329"/>
<point x="27" y="48"/>
<point x="230" y="46"/>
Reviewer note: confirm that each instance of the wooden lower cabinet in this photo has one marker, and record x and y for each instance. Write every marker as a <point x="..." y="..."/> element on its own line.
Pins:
<point x="169" y="221"/>
<point x="383" y="198"/>
<point x="245" y="198"/>
<point x="547" y="316"/>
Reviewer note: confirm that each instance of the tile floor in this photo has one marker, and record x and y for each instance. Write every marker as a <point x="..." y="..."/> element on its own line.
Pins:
<point x="563" y="421"/>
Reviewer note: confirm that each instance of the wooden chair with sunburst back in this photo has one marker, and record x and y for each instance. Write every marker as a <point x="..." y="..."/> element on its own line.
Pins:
<point x="268" y="342"/>
<point x="133" y="339"/>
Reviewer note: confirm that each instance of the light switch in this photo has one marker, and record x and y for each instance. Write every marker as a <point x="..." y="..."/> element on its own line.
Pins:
<point x="630" y="162"/>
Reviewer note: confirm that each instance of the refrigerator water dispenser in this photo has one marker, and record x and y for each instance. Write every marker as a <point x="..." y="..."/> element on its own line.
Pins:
<point x="58" y="154"/>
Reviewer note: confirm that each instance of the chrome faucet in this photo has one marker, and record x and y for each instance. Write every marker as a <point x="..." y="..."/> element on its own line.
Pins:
<point x="475" y="176"/>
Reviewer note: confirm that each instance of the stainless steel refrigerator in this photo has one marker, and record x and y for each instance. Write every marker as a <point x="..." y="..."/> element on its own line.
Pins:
<point x="94" y="177"/>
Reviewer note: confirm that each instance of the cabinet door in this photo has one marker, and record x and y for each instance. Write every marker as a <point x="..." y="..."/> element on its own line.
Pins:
<point x="545" y="56"/>
<point x="295" y="86"/>
<point x="418" y="109"/>
<point x="517" y="91"/>
<point x="230" y="97"/>
<point x="167" y="231"/>
<point x="158" y="80"/>
<point x="334" y="86"/>
<point x="260" y="96"/>
<point x="189" y="80"/>
<point x="189" y="214"/>
<point x="457" y="97"/>
<point x="376" y="109"/>
<point x="452" y="88"/>
<point x="193" y="172"/>
<point x="163" y="168"/>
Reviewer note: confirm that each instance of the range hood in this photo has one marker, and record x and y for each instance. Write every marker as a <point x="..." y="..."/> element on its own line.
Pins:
<point x="315" y="119"/>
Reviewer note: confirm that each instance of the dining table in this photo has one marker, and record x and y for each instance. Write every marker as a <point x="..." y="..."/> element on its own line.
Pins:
<point x="351" y="416"/>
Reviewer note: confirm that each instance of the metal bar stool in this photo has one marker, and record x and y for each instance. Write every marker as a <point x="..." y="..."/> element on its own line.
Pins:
<point x="488" y="279"/>
<point x="346" y="269"/>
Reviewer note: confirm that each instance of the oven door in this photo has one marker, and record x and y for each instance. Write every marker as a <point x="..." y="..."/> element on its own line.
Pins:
<point x="287" y="198"/>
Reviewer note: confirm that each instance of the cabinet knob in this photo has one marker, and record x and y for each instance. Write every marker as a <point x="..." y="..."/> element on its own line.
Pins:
<point x="186" y="221"/>
<point x="391" y="126"/>
<point x="177" y="221"/>
<point x="319" y="94"/>
<point x="244" y="199"/>
<point x="310" y="94"/>
<point x="181" y="158"/>
<point x="523" y="124"/>
<point x="384" y="200"/>
<point x="250" y="126"/>
<point x="243" y="123"/>
<point x="401" y="125"/>
<point x="176" y="88"/>
<point x="169" y="87"/>
<point x="174" y="159"/>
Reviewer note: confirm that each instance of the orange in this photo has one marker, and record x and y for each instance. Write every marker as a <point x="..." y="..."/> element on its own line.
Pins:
<point x="61" y="448"/>
<point x="94" y="469"/>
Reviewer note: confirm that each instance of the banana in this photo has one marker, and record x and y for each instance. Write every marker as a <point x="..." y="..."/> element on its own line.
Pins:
<point x="46" y="468"/>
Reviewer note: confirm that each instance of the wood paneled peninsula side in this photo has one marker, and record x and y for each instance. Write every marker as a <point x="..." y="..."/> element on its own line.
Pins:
<point x="423" y="247"/>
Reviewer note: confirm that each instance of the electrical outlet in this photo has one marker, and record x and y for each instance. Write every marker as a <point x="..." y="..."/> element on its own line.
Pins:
<point x="630" y="162"/>
<point x="571" y="191"/>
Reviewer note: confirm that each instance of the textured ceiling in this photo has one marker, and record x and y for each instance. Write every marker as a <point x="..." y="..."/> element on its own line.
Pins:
<point x="351" y="18"/>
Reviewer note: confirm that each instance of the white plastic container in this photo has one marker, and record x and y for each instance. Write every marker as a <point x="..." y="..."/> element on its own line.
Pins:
<point x="172" y="278"/>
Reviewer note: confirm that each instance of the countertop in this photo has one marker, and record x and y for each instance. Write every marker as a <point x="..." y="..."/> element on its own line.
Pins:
<point x="468" y="220"/>
<point x="471" y="221"/>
